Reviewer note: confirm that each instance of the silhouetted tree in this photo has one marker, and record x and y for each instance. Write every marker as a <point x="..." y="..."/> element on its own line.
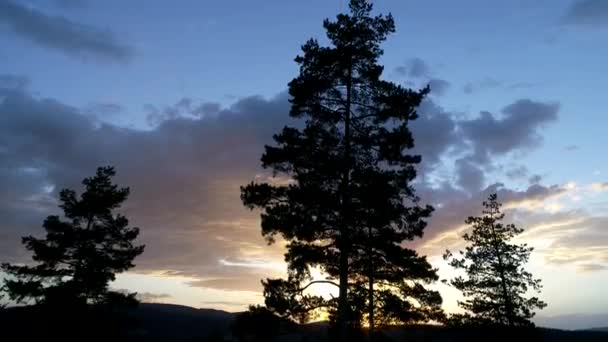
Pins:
<point x="259" y="324"/>
<point x="81" y="252"/>
<point x="348" y="203"/>
<point x="496" y="282"/>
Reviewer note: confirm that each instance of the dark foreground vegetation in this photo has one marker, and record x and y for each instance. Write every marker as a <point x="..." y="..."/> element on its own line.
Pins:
<point x="348" y="210"/>
<point x="163" y="322"/>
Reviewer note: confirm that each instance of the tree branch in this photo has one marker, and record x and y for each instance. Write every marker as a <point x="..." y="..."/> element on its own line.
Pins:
<point x="319" y="282"/>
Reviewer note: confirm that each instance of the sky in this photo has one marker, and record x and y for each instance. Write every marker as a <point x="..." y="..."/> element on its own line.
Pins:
<point x="181" y="97"/>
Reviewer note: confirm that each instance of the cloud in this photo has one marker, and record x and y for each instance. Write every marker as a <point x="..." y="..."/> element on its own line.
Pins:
<point x="518" y="172"/>
<point x="517" y="129"/>
<point x="435" y="132"/>
<point x="491" y="83"/>
<point x="62" y="34"/>
<point x="419" y="74"/>
<point x="521" y="85"/>
<point x="149" y="297"/>
<point x="469" y="176"/>
<point x="11" y="81"/>
<point x="102" y="110"/>
<point x="535" y="179"/>
<point x="576" y="238"/>
<point x="486" y="83"/>
<point x="572" y="148"/>
<point x="185" y="171"/>
<point x="438" y="86"/>
<point x="414" y="68"/>
<point x="588" y="13"/>
<point x="184" y="108"/>
<point x="592" y="267"/>
<point x="600" y="187"/>
<point x="245" y="282"/>
<point x="223" y="303"/>
<point x="184" y="175"/>
<point x="70" y="4"/>
<point x="453" y="205"/>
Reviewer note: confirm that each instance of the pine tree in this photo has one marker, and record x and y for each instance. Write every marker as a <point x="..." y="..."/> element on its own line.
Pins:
<point x="497" y="284"/>
<point x="349" y="202"/>
<point x="81" y="252"/>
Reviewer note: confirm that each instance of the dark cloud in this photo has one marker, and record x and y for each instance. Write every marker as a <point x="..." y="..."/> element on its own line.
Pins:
<point x="184" y="108"/>
<point x="414" y="68"/>
<point x="185" y="173"/>
<point x="59" y="33"/>
<point x="469" y="176"/>
<point x="103" y="110"/>
<point x="535" y="179"/>
<point x="184" y="176"/>
<point x="590" y="13"/>
<point x="438" y="86"/>
<point x="434" y="133"/>
<point x="70" y="4"/>
<point x="518" y="172"/>
<point x="518" y="128"/>
<point x="419" y="74"/>
<point x="13" y="81"/>
<point x="534" y="193"/>
<point x="468" y="88"/>
<point x="486" y="83"/>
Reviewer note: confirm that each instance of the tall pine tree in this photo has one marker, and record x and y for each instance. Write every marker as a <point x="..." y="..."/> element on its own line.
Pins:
<point x="496" y="283"/>
<point x="81" y="252"/>
<point x="350" y="202"/>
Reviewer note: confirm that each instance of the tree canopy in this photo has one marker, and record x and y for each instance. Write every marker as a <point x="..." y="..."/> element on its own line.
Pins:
<point x="348" y="202"/>
<point x="496" y="285"/>
<point x="81" y="252"/>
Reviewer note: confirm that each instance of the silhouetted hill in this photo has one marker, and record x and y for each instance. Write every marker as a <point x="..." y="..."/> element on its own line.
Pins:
<point x="573" y="321"/>
<point x="167" y="322"/>
<point x="147" y="322"/>
<point x="604" y="329"/>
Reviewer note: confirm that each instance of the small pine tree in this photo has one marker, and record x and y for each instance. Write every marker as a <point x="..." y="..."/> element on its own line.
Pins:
<point x="81" y="253"/>
<point x="496" y="285"/>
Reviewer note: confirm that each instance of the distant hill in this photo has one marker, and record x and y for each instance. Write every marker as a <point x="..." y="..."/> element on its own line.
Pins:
<point x="604" y="329"/>
<point x="573" y="321"/>
<point x="167" y="322"/>
<point x="149" y="322"/>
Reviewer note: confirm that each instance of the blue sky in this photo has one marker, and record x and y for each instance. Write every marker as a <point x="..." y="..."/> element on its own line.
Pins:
<point x="119" y="62"/>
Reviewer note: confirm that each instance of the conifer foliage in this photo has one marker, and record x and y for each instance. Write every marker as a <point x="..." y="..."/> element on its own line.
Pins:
<point x="81" y="252"/>
<point x="349" y="203"/>
<point x="496" y="285"/>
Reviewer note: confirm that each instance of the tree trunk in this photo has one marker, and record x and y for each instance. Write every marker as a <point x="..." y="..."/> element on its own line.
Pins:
<point x="343" y="310"/>
<point x="343" y="296"/>
<point x="503" y="280"/>
<point x="371" y="286"/>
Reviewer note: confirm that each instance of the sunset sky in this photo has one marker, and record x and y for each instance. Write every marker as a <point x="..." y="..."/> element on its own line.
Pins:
<point x="182" y="96"/>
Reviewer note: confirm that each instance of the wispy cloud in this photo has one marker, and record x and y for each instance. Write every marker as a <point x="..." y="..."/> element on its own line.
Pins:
<point x="59" y="33"/>
<point x="587" y="13"/>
